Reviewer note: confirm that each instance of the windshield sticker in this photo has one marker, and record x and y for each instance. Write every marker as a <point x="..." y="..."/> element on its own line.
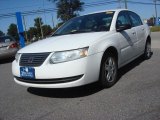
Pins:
<point x="109" y="12"/>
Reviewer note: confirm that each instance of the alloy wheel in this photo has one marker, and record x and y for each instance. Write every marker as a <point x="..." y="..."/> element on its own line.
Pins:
<point x="110" y="69"/>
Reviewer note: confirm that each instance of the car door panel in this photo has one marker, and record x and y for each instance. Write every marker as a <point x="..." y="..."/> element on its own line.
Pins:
<point x="140" y="32"/>
<point x="127" y="44"/>
<point x="127" y="38"/>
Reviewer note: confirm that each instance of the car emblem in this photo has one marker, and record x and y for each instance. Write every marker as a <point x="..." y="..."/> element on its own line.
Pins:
<point x="30" y="59"/>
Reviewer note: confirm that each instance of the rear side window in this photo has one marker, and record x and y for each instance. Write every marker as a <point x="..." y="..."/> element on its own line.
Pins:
<point x="135" y="19"/>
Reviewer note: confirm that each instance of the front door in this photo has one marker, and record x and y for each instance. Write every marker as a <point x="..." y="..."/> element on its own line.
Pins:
<point x="127" y="38"/>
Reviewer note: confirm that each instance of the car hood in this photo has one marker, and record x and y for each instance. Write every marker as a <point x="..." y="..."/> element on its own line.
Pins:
<point x="63" y="42"/>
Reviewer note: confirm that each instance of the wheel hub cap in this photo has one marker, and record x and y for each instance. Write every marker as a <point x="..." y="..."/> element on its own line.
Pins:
<point x="148" y="50"/>
<point x="110" y="69"/>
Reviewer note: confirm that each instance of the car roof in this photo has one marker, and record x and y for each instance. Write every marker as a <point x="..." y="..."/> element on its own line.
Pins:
<point x="115" y="10"/>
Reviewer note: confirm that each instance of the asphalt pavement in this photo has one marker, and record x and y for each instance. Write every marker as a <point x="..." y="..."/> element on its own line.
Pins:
<point x="136" y="95"/>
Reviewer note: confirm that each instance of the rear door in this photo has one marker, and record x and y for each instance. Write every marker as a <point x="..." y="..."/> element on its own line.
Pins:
<point x="140" y="32"/>
<point x="127" y="38"/>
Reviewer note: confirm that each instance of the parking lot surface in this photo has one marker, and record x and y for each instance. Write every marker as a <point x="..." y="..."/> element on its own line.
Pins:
<point x="136" y="95"/>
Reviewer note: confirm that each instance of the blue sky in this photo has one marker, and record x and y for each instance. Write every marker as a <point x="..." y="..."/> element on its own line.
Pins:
<point x="12" y="6"/>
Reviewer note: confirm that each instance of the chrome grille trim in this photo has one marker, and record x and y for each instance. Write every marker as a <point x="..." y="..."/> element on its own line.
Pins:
<point x="33" y="59"/>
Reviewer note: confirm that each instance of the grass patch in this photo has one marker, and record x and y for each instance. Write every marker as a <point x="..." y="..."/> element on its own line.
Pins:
<point x="155" y="28"/>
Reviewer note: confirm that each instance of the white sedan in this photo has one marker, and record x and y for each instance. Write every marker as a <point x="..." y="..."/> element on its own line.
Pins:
<point x="84" y="50"/>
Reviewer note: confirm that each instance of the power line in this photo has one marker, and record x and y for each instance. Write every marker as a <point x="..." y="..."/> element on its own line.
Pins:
<point x="143" y="3"/>
<point x="100" y="3"/>
<point x="40" y="5"/>
<point x="87" y="5"/>
<point x="25" y="13"/>
<point x="21" y="7"/>
<point x="49" y="10"/>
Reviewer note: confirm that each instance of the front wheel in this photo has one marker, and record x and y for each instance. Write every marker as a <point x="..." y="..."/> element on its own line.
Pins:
<point x="108" y="75"/>
<point x="147" y="52"/>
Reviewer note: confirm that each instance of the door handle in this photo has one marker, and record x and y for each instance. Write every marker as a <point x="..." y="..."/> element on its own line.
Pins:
<point x="133" y="33"/>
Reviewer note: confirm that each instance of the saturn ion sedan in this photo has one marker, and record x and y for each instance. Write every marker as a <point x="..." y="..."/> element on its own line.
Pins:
<point x="85" y="49"/>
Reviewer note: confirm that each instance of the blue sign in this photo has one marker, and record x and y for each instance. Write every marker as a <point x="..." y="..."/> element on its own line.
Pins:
<point x="19" y="22"/>
<point x="159" y="20"/>
<point x="20" y="29"/>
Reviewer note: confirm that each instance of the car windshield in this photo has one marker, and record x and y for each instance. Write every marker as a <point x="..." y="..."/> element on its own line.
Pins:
<point x="5" y="39"/>
<point x="88" y="23"/>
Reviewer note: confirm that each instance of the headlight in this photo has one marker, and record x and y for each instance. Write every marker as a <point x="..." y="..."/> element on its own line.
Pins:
<point x="17" y="56"/>
<point x="64" y="56"/>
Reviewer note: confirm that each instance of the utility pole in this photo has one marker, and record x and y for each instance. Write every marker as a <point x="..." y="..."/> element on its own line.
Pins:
<point x="44" y="13"/>
<point x="119" y="1"/>
<point x="125" y="1"/>
<point x="52" y="21"/>
<point x="155" y="1"/>
<point x="40" y="27"/>
<point x="25" y="30"/>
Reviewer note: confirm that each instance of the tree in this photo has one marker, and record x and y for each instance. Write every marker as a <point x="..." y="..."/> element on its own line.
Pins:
<point x="12" y="31"/>
<point x="1" y="33"/>
<point x="39" y="29"/>
<point x="38" y="25"/>
<point x="32" y="32"/>
<point x="47" y="30"/>
<point x="68" y="9"/>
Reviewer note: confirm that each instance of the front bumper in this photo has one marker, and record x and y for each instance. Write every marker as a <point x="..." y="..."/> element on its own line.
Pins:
<point x="85" y="70"/>
<point x="49" y="81"/>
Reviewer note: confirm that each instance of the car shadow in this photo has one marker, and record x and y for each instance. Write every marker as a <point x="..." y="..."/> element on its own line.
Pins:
<point x="122" y="71"/>
<point x="4" y="61"/>
<point x="75" y="92"/>
<point x="81" y="91"/>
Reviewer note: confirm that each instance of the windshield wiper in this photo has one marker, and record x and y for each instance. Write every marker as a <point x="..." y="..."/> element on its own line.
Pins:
<point x="78" y="31"/>
<point x="73" y="32"/>
<point x="56" y="34"/>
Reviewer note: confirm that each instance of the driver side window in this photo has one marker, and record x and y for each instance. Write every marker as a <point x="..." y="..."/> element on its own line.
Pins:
<point x="122" y="19"/>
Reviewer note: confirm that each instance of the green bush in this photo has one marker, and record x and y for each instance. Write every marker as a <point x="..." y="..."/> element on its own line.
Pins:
<point x="155" y="28"/>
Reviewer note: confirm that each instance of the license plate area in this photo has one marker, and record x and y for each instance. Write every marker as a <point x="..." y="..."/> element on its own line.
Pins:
<point x="27" y="72"/>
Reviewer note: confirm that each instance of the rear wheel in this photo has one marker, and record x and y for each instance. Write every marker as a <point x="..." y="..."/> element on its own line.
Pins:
<point x="108" y="75"/>
<point x="147" y="52"/>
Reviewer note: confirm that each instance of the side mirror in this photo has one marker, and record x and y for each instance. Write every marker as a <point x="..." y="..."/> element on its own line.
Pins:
<point x="123" y="27"/>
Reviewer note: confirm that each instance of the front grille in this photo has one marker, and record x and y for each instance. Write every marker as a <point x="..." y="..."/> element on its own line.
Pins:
<point x="33" y="59"/>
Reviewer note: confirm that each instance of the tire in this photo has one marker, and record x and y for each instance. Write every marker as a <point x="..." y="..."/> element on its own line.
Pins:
<point x="108" y="74"/>
<point x="147" y="51"/>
